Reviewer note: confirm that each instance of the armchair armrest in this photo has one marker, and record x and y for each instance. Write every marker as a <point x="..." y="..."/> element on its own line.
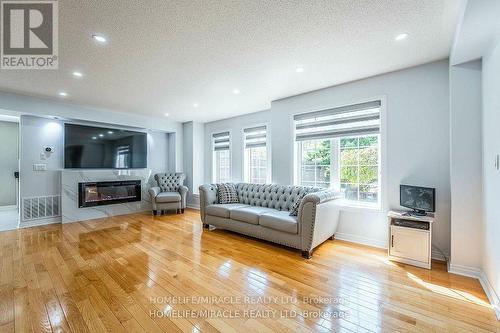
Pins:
<point x="318" y="218"/>
<point x="153" y="192"/>
<point x="183" y="190"/>
<point x="208" y="196"/>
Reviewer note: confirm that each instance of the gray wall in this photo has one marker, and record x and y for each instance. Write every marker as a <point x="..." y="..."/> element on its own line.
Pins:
<point x="9" y="161"/>
<point x="466" y="165"/>
<point x="415" y="131"/>
<point x="491" y="174"/>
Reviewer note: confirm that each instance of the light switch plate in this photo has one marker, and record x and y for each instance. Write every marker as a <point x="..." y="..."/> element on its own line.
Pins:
<point x="40" y="167"/>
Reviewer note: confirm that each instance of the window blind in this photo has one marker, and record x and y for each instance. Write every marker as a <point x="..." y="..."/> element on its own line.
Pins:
<point x="351" y="120"/>
<point x="221" y="141"/>
<point x="255" y="136"/>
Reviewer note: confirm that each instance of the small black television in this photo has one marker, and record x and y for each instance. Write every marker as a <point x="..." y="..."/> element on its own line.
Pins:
<point x="420" y="199"/>
<point x="89" y="147"/>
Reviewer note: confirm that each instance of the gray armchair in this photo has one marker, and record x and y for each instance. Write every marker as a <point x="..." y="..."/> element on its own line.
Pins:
<point x="169" y="194"/>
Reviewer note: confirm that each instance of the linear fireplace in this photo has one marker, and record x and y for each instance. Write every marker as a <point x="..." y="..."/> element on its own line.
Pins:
<point x="107" y="193"/>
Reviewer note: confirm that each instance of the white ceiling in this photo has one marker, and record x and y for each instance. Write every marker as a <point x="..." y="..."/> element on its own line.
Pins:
<point x="164" y="56"/>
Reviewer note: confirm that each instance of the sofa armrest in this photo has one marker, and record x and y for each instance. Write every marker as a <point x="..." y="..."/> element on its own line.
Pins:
<point x="208" y="196"/>
<point x="318" y="218"/>
<point x="183" y="190"/>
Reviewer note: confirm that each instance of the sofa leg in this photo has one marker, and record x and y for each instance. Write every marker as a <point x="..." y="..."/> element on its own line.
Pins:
<point x="154" y="213"/>
<point x="206" y="226"/>
<point x="332" y="237"/>
<point x="307" y="254"/>
<point x="182" y="210"/>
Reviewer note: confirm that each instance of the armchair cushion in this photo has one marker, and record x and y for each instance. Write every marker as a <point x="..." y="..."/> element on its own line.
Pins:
<point x="165" y="197"/>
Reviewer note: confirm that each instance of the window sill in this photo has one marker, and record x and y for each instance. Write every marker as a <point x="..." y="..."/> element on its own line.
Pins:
<point x="351" y="206"/>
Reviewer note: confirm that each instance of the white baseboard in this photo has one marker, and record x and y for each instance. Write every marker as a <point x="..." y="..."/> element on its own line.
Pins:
<point x="192" y="206"/>
<point x="490" y="293"/>
<point x="11" y="207"/>
<point x="361" y="240"/>
<point x="472" y="272"/>
<point x="479" y="274"/>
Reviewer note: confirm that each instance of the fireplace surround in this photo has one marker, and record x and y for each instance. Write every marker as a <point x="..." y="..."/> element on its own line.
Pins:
<point x="91" y="194"/>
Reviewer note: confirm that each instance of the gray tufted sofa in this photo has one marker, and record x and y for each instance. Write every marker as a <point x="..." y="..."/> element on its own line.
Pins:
<point x="170" y="192"/>
<point x="263" y="212"/>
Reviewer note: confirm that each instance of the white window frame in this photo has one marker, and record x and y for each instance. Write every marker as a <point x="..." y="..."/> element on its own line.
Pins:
<point x="213" y="152"/>
<point x="348" y="205"/>
<point x="268" y="152"/>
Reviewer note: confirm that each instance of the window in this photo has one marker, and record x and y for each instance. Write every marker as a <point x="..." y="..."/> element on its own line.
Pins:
<point x="255" y="155"/>
<point x="340" y="149"/>
<point x="122" y="157"/>
<point x="221" y="165"/>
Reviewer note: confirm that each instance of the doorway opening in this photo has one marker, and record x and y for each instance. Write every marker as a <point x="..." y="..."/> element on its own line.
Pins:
<point x="9" y="172"/>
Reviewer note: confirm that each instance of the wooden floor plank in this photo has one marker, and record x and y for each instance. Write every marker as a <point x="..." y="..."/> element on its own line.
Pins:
<point x="139" y="273"/>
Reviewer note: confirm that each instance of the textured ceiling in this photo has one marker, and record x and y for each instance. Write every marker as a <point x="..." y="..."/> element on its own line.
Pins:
<point x="164" y="56"/>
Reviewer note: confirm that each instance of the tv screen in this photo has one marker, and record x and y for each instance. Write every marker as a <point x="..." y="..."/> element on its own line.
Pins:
<point x="420" y="199"/>
<point x="87" y="147"/>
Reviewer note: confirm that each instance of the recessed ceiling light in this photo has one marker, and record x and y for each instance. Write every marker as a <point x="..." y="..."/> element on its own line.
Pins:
<point x="77" y="74"/>
<point x="110" y="132"/>
<point x="236" y="91"/>
<point x="100" y="38"/>
<point x="63" y="94"/>
<point x="195" y="105"/>
<point x="167" y="114"/>
<point x="101" y="135"/>
<point x="299" y="69"/>
<point x="401" y="36"/>
<point x="94" y="138"/>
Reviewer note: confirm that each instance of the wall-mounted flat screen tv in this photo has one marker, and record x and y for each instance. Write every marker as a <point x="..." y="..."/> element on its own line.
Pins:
<point x="88" y="147"/>
<point x="420" y="199"/>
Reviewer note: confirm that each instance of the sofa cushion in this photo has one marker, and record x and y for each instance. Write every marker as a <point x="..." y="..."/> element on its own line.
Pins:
<point x="223" y="210"/>
<point x="279" y="220"/>
<point x="248" y="214"/>
<point x="226" y="193"/>
<point x="165" y="197"/>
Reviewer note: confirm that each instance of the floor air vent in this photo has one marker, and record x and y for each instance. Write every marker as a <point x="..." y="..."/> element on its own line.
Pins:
<point x="36" y="208"/>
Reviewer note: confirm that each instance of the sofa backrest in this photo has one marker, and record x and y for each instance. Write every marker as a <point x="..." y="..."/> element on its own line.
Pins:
<point x="280" y="197"/>
<point x="170" y="182"/>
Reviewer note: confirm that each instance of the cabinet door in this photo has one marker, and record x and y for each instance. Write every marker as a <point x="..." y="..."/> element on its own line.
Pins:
<point x="410" y="243"/>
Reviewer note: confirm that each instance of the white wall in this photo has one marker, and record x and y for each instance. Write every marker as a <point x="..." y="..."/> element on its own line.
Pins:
<point x="415" y="130"/>
<point x="491" y="174"/>
<point x="235" y="126"/>
<point x="38" y="132"/>
<point x="466" y="166"/>
<point x="44" y="107"/>
<point x="9" y="161"/>
<point x="194" y="157"/>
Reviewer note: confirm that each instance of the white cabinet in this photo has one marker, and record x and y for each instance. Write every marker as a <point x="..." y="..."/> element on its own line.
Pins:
<point x="410" y="239"/>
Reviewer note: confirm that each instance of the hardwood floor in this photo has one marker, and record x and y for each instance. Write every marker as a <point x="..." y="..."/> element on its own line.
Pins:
<point x="143" y="273"/>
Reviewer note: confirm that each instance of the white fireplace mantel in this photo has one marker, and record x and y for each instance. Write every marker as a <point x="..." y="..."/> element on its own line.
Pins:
<point x="69" y="197"/>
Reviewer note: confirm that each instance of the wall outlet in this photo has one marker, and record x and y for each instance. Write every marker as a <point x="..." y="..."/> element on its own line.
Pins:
<point x="40" y="167"/>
